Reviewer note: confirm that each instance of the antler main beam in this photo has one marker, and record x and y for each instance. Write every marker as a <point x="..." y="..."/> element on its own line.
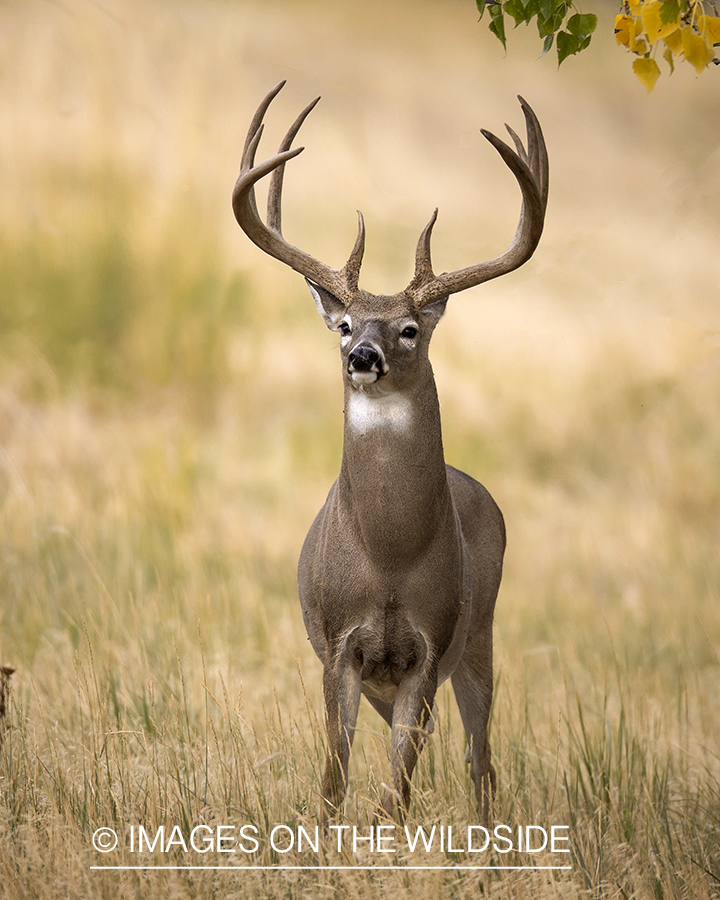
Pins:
<point x="342" y="283"/>
<point x="530" y="168"/>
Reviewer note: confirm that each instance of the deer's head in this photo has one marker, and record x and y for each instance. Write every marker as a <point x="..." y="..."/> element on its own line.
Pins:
<point x="384" y="339"/>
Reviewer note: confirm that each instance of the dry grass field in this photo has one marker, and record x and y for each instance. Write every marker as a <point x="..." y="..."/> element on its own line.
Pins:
<point x="171" y="416"/>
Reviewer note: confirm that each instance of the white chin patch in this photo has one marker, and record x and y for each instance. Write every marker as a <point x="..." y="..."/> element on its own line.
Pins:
<point x="364" y="377"/>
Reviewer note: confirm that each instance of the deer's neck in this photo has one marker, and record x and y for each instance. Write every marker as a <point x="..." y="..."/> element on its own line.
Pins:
<point x="393" y="483"/>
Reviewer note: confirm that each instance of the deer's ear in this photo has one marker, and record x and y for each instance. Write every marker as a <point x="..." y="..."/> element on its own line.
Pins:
<point x="433" y="312"/>
<point x="330" y="308"/>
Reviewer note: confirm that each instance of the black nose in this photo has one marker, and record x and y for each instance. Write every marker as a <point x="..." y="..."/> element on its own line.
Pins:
<point x="363" y="358"/>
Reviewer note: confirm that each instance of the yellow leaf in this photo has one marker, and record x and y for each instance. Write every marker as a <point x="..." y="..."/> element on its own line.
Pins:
<point x="652" y="22"/>
<point x="674" y="42"/>
<point x="627" y="29"/>
<point x="668" y="57"/>
<point x="695" y="49"/>
<point x="622" y="29"/>
<point x="635" y="7"/>
<point x="647" y="71"/>
<point x="709" y="27"/>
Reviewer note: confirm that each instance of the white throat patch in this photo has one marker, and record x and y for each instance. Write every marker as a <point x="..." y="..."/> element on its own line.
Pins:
<point x="366" y="413"/>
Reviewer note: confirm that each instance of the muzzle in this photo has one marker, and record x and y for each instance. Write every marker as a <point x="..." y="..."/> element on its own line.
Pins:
<point x="366" y="364"/>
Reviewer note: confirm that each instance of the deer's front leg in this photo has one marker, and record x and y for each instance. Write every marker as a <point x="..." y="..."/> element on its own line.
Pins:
<point x="341" y="687"/>
<point x="413" y="707"/>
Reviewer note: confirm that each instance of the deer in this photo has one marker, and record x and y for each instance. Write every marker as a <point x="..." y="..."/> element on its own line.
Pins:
<point x="399" y="573"/>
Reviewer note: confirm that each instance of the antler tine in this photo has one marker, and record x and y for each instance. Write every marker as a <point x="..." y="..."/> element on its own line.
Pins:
<point x="530" y="168"/>
<point x="351" y="269"/>
<point x="342" y="283"/>
<point x="423" y="264"/>
<point x="256" y="125"/>
<point x="247" y="164"/>
<point x="536" y="147"/>
<point x="519" y="146"/>
<point x="274" y="214"/>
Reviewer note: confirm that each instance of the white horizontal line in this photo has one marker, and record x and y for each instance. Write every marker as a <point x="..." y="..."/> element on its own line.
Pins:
<point x="378" y="868"/>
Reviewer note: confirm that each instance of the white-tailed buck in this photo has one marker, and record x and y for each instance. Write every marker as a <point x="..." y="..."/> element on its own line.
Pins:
<point x="400" y="570"/>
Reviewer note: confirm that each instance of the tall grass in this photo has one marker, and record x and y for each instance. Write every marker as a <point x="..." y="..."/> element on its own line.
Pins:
<point x="103" y="306"/>
<point x="170" y="421"/>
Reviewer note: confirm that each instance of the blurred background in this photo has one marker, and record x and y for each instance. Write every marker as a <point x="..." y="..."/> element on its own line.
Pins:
<point x="171" y="404"/>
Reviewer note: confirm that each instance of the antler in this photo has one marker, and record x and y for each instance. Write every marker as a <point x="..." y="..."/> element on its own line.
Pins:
<point x="531" y="170"/>
<point x="529" y="167"/>
<point x="342" y="283"/>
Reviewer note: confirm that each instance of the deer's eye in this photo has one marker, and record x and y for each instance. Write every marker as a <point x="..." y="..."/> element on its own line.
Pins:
<point x="344" y="329"/>
<point x="410" y="332"/>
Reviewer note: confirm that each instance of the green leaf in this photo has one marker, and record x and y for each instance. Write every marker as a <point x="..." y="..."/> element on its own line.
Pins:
<point x="669" y="11"/>
<point x="549" y="24"/>
<point x="550" y="16"/>
<point x="582" y="25"/>
<point x="547" y="44"/>
<point x="567" y="45"/>
<point x="546" y="26"/>
<point x="497" y="26"/>
<point x="516" y="9"/>
<point x="543" y="31"/>
<point x="546" y="8"/>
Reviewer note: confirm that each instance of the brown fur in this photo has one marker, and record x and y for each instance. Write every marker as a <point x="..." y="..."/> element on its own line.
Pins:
<point x="399" y="573"/>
